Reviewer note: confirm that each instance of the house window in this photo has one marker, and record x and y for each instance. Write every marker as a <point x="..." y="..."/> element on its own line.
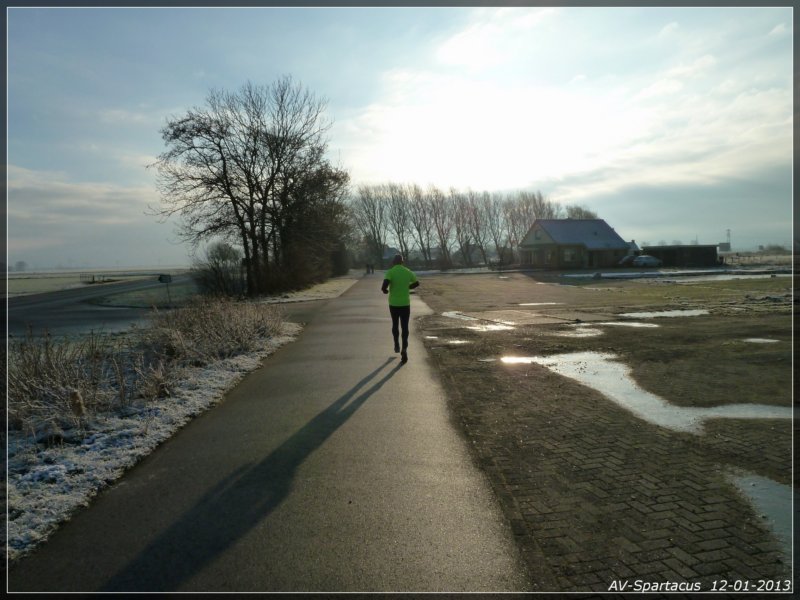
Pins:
<point x="569" y="255"/>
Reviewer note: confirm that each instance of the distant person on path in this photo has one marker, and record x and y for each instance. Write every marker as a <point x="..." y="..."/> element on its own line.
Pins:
<point x="398" y="282"/>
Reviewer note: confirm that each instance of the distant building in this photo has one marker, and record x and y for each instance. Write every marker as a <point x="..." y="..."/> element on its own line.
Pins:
<point x="685" y="256"/>
<point x="573" y="244"/>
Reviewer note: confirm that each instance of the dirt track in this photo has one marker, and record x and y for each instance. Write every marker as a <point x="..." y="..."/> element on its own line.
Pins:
<point x="594" y="493"/>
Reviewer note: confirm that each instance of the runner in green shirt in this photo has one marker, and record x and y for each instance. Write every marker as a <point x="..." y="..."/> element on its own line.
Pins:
<point x="398" y="282"/>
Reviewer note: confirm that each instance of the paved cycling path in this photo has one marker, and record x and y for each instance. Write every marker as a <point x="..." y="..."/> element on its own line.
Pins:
<point x="331" y="468"/>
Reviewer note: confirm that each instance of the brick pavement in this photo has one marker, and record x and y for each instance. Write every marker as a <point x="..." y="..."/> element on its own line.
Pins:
<point x="595" y="495"/>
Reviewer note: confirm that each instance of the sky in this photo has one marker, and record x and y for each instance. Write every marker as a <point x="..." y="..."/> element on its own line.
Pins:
<point x="672" y="124"/>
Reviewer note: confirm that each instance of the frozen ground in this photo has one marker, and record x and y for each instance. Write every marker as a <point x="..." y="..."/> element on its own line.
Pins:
<point x="47" y="485"/>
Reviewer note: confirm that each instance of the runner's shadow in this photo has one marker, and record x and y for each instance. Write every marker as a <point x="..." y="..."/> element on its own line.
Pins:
<point x="237" y="503"/>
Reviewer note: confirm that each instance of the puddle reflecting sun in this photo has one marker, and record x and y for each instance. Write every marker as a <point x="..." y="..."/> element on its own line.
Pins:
<point x="665" y="313"/>
<point x="613" y="379"/>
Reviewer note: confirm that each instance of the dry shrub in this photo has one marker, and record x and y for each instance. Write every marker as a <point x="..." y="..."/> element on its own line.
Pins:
<point x="53" y="384"/>
<point x="212" y="328"/>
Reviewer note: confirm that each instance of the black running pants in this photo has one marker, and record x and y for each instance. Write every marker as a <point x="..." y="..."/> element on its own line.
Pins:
<point x="400" y="316"/>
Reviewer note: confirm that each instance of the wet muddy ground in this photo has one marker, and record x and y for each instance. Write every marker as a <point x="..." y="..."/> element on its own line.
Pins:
<point x="618" y="420"/>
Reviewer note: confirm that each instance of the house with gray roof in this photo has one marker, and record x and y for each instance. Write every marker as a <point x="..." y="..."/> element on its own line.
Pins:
<point x="572" y="244"/>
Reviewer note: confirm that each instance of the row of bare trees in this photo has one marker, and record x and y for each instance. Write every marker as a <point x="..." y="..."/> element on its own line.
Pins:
<point x="450" y="227"/>
<point x="249" y="168"/>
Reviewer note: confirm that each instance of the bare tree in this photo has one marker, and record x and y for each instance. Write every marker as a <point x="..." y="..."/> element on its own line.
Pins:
<point x="370" y="217"/>
<point x="580" y="212"/>
<point x="496" y="223"/>
<point x="477" y="222"/>
<point x="399" y="216"/>
<point x="521" y="209"/>
<point x="461" y="224"/>
<point x="236" y="167"/>
<point x="442" y="217"/>
<point x="514" y="220"/>
<point x="220" y="271"/>
<point x="536" y="206"/>
<point x="421" y="221"/>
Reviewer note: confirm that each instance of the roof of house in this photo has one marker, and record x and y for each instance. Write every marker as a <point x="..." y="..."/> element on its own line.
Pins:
<point x="595" y="234"/>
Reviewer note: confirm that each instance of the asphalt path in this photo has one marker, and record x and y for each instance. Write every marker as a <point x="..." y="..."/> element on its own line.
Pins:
<point x="331" y="468"/>
<point x="66" y="312"/>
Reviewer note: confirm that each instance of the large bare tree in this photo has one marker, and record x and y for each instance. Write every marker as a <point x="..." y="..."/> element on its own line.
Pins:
<point x="240" y="167"/>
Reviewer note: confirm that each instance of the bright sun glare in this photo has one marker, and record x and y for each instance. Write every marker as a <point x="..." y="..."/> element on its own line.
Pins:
<point x="471" y="134"/>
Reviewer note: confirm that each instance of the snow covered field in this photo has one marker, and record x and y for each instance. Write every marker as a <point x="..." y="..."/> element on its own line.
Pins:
<point x="47" y="485"/>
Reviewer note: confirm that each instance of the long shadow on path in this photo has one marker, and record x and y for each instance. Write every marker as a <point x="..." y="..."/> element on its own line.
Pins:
<point x="237" y="503"/>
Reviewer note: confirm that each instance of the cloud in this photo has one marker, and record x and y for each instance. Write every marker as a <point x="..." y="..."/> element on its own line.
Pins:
<point x="778" y="30"/>
<point x="671" y="81"/>
<point x="690" y="121"/>
<point x="694" y="118"/>
<point x="34" y="243"/>
<point x="122" y="116"/>
<point x="693" y="69"/>
<point x="757" y="208"/>
<point x="136" y="161"/>
<point x="668" y="29"/>
<point x="48" y="199"/>
<point x="659" y="89"/>
<point x="52" y="220"/>
<point x="492" y="37"/>
<point x="453" y="130"/>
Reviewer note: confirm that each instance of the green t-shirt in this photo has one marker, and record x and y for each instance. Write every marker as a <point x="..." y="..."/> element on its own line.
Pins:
<point x="399" y="278"/>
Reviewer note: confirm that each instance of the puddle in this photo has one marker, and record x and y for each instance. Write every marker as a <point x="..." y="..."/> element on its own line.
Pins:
<point x="487" y="360"/>
<point x="665" y="313"/>
<point x="760" y="341"/>
<point x="540" y="303"/>
<point x="458" y="315"/>
<point x="611" y="378"/>
<point x="773" y="504"/>
<point x="584" y="331"/>
<point x="431" y="337"/>
<point x="580" y="332"/>
<point x="628" y="324"/>
<point x="490" y="326"/>
<point x="457" y="342"/>
<point x="494" y="327"/>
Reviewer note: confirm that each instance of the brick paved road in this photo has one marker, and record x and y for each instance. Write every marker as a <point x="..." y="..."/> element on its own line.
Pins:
<point x="596" y="495"/>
